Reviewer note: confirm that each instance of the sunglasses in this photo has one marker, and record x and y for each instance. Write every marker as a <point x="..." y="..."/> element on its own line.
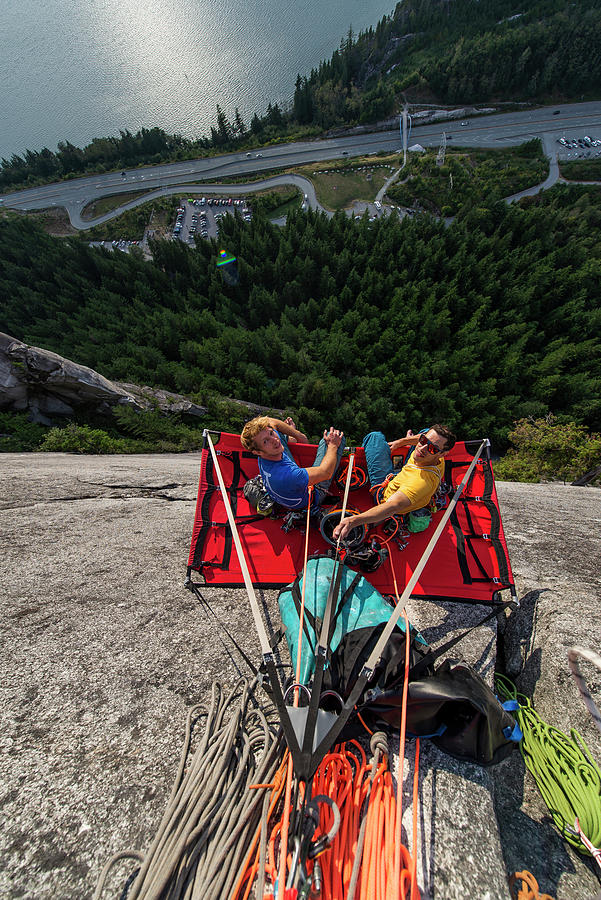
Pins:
<point x="431" y="447"/>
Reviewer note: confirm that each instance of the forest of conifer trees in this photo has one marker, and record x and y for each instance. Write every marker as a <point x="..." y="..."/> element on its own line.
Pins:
<point x="357" y="324"/>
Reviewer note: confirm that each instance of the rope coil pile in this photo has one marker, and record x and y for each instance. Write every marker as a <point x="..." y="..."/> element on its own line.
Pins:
<point x="211" y="814"/>
<point x="564" y="771"/>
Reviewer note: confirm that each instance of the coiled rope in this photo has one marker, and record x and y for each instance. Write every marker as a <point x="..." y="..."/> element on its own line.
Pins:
<point x="211" y="814"/>
<point x="565" y="773"/>
<point x="528" y="889"/>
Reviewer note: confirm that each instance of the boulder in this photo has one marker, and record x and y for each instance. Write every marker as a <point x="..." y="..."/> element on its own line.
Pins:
<point x="48" y="385"/>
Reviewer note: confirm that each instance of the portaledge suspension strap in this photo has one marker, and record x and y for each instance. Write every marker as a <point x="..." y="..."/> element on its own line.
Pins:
<point x="266" y="651"/>
<point x="310" y="758"/>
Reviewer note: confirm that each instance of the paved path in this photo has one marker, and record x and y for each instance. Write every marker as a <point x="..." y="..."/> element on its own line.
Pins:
<point x="550" y="148"/>
<point x="231" y="190"/>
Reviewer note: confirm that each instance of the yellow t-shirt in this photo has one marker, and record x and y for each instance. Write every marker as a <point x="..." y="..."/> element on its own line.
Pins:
<point x="418" y="483"/>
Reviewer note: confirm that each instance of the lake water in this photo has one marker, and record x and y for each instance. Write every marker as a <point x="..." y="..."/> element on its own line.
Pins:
<point x="77" y="70"/>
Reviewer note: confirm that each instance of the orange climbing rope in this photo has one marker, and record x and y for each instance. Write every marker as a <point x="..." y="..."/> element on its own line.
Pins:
<point x="528" y="890"/>
<point x="366" y="859"/>
<point x="289" y="774"/>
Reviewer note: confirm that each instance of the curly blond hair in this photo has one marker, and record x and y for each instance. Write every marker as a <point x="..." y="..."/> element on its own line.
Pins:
<point x="252" y="429"/>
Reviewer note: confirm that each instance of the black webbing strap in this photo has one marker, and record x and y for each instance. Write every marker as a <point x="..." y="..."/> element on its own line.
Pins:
<point x="432" y="655"/>
<point x="205" y="602"/>
<point x="309" y="620"/>
<point x="469" y="543"/>
<point x="205" y="508"/>
<point x="341" y="603"/>
<point x="494" y="537"/>
<point x="460" y="542"/>
<point x="233" y="497"/>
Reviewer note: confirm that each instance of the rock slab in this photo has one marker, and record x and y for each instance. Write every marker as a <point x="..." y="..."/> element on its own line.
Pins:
<point x="103" y="652"/>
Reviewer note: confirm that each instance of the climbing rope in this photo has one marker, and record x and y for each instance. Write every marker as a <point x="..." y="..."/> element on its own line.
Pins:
<point x="528" y="889"/>
<point x="358" y="861"/>
<point x="401" y="878"/>
<point x="565" y="774"/>
<point x="256" y="864"/>
<point x="212" y="813"/>
<point x="358" y="477"/>
<point x="289" y="772"/>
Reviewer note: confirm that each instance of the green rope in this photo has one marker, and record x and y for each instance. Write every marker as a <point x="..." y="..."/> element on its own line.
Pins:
<point x="564" y="771"/>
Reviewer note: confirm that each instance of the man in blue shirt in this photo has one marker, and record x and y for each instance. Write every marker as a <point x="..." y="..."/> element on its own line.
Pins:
<point x="283" y="478"/>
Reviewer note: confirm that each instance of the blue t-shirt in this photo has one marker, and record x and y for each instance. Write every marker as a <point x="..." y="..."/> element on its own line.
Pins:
<point x="284" y="480"/>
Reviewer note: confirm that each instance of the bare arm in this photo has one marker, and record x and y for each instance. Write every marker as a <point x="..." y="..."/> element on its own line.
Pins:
<point x="410" y="440"/>
<point x="289" y="428"/>
<point x="398" y="504"/>
<point x="325" y="469"/>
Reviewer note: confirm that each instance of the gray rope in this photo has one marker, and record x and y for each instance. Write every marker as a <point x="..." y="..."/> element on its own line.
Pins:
<point x="211" y="815"/>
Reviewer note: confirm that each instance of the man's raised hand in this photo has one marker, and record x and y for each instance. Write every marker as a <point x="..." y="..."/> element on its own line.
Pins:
<point x="333" y="436"/>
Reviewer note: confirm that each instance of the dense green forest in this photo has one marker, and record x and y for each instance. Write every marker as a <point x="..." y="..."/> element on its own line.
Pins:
<point x="356" y="324"/>
<point x="442" y="51"/>
<point x="458" y="52"/>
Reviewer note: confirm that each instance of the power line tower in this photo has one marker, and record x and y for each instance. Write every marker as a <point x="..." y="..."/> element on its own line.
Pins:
<point x="405" y="127"/>
<point x="442" y="150"/>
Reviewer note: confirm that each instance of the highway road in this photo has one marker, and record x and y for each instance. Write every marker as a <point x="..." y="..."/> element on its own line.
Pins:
<point x="496" y="130"/>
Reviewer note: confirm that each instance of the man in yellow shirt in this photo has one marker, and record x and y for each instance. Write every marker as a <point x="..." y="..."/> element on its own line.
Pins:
<point x="409" y="489"/>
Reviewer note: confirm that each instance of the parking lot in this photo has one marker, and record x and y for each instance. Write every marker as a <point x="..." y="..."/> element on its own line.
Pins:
<point x="585" y="147"/>
<point x="200" y="217"/>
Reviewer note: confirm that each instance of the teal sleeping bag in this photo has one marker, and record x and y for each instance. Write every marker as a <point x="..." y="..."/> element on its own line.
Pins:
<point x="359" y="605"/>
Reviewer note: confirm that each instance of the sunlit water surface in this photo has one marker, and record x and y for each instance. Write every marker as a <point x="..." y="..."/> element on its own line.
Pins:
<point x="74" y="71"/>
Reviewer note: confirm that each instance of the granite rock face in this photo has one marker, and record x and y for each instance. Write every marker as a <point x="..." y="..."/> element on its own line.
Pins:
<point x="104" y="651"/>
<point x="47" y="385"/>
